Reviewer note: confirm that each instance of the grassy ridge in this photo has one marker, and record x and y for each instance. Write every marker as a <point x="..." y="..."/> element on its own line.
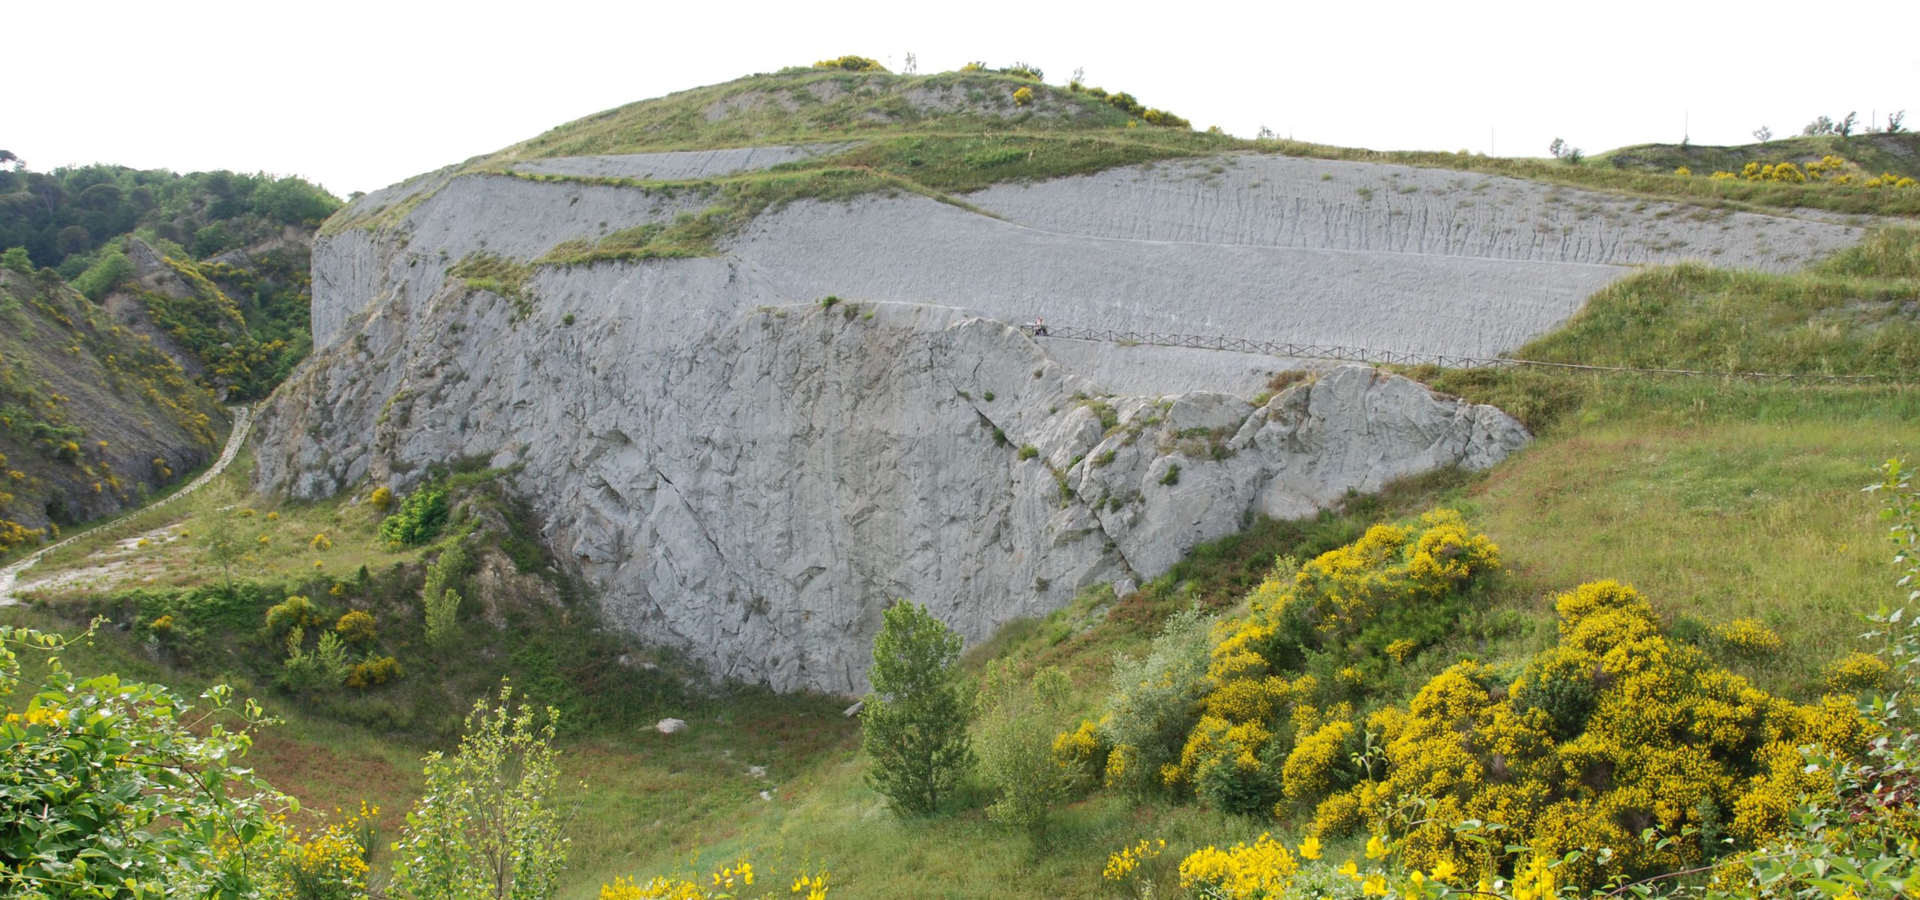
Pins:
<point x="808" y="105"/>
<point x="1874" y="153"/>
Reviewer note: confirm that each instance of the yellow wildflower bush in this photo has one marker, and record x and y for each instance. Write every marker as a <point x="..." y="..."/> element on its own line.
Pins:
<point x="1081" y="755"/>
<point x="356" y="626"/>
<point x="1350" y="614"/>
<point x="1749" y="637"/>
<point x="1264" y="869"/>
<point x="1613" y="731"/>
<point x="328" y="863"/>
<point x="375" y="671"/>
<point x="1309" y="769"/>
<point x="726" y="883"/>
<point x="1857" y="671"/>
<point x="1828" y="169"/>
<point x="1122" y="864"/>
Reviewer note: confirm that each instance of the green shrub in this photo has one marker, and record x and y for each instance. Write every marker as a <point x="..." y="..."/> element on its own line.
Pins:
<point x="325" y="666"/>
<point x="107" y="272"/>
<point x="294" y="612"/>
<point x="1029" y="451"/>
<point x="486" y="824"/>
<point x="914" y="724"/>
<point x="419" y="519"/>
<point x="443" y="622"/>
<point x="16" y="258"/>
<point x="1153" y="701"/>
<point x="1018" y="717"/>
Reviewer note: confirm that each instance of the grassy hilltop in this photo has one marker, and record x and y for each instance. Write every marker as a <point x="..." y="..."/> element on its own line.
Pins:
<point x="1731" y="503"/>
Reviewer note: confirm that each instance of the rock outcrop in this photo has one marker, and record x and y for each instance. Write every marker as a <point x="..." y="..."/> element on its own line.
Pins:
<point x="758" y="495"/>
<point x="751" y="474"/>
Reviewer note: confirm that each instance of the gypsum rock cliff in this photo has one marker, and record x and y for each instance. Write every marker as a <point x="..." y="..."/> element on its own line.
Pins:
<point x="795" y="470"/>
<point x="753" y="486"/>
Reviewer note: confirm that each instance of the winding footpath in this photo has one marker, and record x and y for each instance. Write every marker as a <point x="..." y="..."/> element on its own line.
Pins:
<point x="242" y="422"/>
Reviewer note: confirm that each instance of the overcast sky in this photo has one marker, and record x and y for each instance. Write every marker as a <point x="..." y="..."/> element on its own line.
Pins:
<point x="357" y="95"/>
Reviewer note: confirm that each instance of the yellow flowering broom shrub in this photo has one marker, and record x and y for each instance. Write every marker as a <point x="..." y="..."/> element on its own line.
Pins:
<point x="1610" y="733"/>
<point x="1749" y="637"/>
<point x="1244" y="872"/>
<point x="327" y="863"/>
<point x="1218" y="714"/>
<point x="725" y="883"/>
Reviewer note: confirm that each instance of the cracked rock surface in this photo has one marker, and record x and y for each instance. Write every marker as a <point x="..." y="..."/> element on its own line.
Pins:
<point x="750" y="476"/>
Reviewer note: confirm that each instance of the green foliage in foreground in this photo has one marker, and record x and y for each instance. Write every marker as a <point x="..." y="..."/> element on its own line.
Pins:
<point x="116" y="788"/>
<point x="914" y="724"/>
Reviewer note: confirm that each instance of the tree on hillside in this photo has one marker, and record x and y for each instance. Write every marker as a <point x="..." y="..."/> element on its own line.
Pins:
<point x="914" y="724"/>
<point x="1019" y="717"/>
<point x="486" y="825"/>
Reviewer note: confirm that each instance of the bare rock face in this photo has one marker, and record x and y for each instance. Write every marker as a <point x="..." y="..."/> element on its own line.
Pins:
<point x="750" y="475"/>
<point x="755" y="497"/>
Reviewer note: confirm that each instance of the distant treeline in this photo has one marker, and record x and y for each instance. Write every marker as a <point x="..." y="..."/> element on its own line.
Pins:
<point x="62" y="217"/>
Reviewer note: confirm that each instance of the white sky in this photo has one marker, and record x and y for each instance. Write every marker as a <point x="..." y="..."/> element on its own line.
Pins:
<point x="357" y="94"/>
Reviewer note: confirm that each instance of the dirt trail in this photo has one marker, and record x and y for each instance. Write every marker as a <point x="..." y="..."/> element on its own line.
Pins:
<point x="242" y="422"/>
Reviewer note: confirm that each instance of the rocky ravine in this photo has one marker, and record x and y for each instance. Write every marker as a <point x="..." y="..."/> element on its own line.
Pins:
<point x="751" y="477"/>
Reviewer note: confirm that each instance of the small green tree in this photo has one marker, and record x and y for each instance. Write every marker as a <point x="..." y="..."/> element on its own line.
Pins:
<point x="486" y="826"/>
<point x="1018" y="720"/>
<point x="914" y="724"/>
<point x="223" y="544"/>
<point x="440" y="598"/>
<point x="443" y="618"/>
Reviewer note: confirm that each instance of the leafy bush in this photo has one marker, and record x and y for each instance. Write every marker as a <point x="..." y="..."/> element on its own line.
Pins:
<point x="374" y="671"/>
<point x="485" y="825"/>
<point x="419" y="518"/>
<point x="107" y="272"/>
<point x="294" y="612"/>
<point x="914" y="724"/>
<point x="324" y="666"/>
<point x="1017" y="719"/>
<point x="442" y="618"/>
<point x="1153" y="702"/>
<point x="1023" y="97"/>
<point x="356" y="626"/>
<point x="109" y="793"/>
